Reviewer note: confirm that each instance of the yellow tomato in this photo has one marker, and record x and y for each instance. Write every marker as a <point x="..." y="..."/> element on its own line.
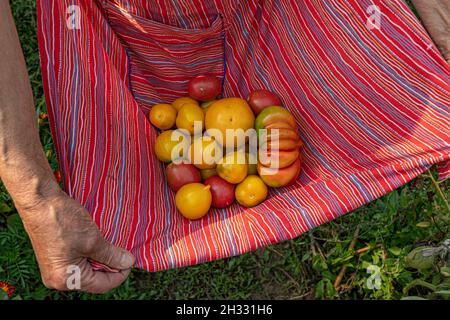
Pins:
<point x="251" y="192"/>
<point x="163" y="116"/>
<point x="230" y="113"/>
<point x="166" y="143"/>
<point x="202" y="153"/>
<point x="193" y="200"/>
<point x="188" y="115"/>
<point x="233" y="167"/>
<point x="180" y="102"/>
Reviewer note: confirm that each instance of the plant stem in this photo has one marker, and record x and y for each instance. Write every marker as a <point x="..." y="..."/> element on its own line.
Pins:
<point x="352" y="245"/>
<point x="439" y="190"/>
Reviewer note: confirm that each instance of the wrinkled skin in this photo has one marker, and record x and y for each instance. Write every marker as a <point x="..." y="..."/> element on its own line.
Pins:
<point x="435" y="15"/>
<point x="63" y="234"/>
<point x="61" y="230"/>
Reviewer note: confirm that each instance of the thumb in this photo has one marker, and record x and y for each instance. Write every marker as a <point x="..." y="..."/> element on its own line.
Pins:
<point x="447" y="57"/>
<point x="446" y="53"/>
<point x="112" y="256"/>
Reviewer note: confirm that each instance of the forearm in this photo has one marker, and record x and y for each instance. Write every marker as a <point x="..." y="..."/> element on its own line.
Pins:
<point x="435" y="15"/>
<point x="24" y="168"/>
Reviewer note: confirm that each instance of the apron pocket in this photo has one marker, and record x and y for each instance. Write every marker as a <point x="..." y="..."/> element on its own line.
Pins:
<point x="163" y="58"/>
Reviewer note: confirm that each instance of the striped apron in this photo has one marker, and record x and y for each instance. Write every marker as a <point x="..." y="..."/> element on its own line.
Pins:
<point x="365" y="82"/>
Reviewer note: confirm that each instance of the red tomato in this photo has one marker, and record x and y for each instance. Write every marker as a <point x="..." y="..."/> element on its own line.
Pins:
<point x="261" y="99"/>
<point x="181" y="174"/>
<point x="204" y="88"/>
<point x="221" y="190"/>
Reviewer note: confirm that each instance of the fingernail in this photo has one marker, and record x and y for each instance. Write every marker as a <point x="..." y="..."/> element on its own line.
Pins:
<point x="127" y="260"/>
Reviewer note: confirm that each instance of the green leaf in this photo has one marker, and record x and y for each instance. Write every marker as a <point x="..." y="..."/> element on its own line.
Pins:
<point x="328" y="275"/>
<point x="375" y="259"/>
<point x="445" y="271"/>
<point x="395" y="251"/>
<point x="423" y="224"/>
<point x="417" y="260"/>
<point x="404" y="198"/>
<point x="306" y="256"/>
<point x="320" y="289"/>
<point x="3" y="295"/>
<point x="393" y="201"/>
<point x="14" y="220"/>
<point x="330" y="289"/>
<point x="421" y="283"/>
<point x="413" y="298"/>
<point x="4" y="208"/>
<point x="443" y="292"/>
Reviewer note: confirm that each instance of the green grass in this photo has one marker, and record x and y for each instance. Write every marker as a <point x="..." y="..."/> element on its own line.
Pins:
<point x="303" y="268"/>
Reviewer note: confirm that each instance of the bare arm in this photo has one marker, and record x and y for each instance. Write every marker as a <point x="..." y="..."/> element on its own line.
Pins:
<point x="61" y="231"/>
<point x="23" y="166"/>
<point x="435" y="15"/>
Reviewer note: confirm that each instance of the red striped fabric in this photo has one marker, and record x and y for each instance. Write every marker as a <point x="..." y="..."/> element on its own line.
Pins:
<point x="372" y="106"/>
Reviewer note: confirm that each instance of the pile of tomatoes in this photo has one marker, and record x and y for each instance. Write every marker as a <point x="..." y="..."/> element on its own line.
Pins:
<point x="237" y="175"/>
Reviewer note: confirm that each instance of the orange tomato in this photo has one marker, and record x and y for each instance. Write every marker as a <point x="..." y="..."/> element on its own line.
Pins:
<point x="233" y="167"/>
<point x="283" y="144"/>
<point x="251" y="192"/>
<point x="275" y="114"/>
<point x="281" y="134"/>
<point x="163" y="116"/>
<point x="280" y="177"/>
<point x="229" y="113"/>
<point x="279" y="158"/>
<point x="180" y="102"/>
<point x="166" y="143"/>
<point x="188" y="115"/>
<point x="193" y="200"/>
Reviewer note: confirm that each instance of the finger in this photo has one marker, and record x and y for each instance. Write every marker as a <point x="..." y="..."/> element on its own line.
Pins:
<point x="447" y="57"/>
<point x="112" y="256"/>
<point x="101" y="282"/>
<point x="446" y="53"/>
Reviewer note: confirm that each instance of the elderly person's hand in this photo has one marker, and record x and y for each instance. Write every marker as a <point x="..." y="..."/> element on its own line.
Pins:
<point x="64" y="236"/>
<point x="61" y="231"/>
<point x="435" y="15"/>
